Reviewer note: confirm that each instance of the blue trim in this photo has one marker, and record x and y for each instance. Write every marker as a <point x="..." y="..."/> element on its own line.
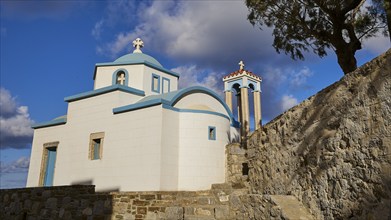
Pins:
<point x="155" y="76"/>
<point x="138" y="105"/>
<point x="103" y="91"/>
<point x="115" y="76"/>
<point x="169" y="84"/>
<point x="213" y="138"/>
<point x="194" y="111"/>
<point x="170" y="99"/>
<point x="54" y="122"/>
<point x="169" y="72"/>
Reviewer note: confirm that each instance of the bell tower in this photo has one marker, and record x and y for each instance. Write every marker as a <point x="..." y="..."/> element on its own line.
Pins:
<point x="241" y="82"/>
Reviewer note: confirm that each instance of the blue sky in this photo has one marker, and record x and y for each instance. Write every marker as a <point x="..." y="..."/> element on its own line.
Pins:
<point x="49" y="48"/>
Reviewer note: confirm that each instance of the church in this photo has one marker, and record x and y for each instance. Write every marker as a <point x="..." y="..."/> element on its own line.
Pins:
<point x="136" y="131"/>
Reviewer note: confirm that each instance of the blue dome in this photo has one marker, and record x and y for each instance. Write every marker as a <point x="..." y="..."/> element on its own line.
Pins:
<point x="137" y="58"/>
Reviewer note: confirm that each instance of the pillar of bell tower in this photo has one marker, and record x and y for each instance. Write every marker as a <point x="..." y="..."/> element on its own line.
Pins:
<point x="245" y="112"/>
<point x="241" y="81"/>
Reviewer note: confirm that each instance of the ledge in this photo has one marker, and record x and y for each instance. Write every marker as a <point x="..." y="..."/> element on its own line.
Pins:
<point x="104" y="90"/>
<point x="137" y="62"/>
<point x="54" y="122"/>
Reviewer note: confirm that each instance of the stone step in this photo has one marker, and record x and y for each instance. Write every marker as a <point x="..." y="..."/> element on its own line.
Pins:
<point x="291" y="207"/>
<point x="221" y="186"/>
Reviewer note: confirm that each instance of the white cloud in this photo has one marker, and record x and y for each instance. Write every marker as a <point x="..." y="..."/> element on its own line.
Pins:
<point x="7" y="103"/>
<point x="14" y="173"/>
<point x="378" y="44"/>
<point x="287" y="102"/>
<point x="299" y="78"/>
<point x="98" y="28"/>
<point x="15" y="122"/>
<point x="193" y="76"/>
<point x="196" y="31"/>
<point x="19" y="165"/>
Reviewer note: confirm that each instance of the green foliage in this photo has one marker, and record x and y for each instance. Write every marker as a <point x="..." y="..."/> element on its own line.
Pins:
<point x="316" y="25"/>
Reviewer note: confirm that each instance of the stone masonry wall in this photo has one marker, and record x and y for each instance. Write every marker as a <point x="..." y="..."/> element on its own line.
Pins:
<point x="82" y="202"/>
<point x="332" y="151"/>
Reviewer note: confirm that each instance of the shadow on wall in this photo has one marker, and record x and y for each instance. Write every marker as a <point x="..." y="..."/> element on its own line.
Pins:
<point x="59" y="202"/>
<point x="91" y="182"/>
<point x="333" y="151"/>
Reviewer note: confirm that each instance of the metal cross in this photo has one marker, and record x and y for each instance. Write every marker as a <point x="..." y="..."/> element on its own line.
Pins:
<point x="138" y="44"/>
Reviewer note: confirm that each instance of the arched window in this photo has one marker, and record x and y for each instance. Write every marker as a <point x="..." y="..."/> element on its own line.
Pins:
<point x="120" y="77"/>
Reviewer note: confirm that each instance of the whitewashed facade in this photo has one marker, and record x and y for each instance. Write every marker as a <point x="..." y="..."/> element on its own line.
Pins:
<point x="135" y="132"/>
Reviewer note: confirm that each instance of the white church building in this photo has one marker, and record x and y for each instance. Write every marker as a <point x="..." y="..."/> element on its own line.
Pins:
<point x="135" y="131"/>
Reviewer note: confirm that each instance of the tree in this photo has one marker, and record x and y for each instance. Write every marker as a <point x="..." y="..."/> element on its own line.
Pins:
<point x="384" y="6"/>
<point x="301" y="25"/>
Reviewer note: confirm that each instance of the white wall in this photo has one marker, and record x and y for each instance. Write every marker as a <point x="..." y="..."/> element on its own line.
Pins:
<point x="170" y="150"/>
<point x="104" y="76"/>
<point x="131" y="152"/>
<point x="148" y="149"/>
<point x="201" y="101"/>
<point x="140" y="77"/>
<point x="148" y="80"/>
<point x="201" y="161"/>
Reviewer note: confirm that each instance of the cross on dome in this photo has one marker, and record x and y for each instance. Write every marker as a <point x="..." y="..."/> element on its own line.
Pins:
<point x="241" y="65"/>
<point x="138" y="44"/>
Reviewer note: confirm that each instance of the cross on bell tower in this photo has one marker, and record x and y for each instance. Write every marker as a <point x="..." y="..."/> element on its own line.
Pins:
<point x="138" y="44"/>
<point x="241" y="65"/>
<point x="241" y="81"/>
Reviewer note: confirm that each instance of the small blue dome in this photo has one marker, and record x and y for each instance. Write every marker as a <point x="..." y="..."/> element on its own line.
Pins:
<point x="136" y="58"/>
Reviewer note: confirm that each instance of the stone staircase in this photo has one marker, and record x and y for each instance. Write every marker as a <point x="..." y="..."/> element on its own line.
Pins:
<point x="291" y="208"/>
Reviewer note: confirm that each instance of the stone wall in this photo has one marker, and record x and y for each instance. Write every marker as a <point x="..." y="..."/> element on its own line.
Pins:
<point x="82" y="202"/>
<point x="332" y="151"/>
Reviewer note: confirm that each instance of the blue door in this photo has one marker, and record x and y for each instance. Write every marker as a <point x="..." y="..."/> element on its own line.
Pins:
<point x="50" y="164"/>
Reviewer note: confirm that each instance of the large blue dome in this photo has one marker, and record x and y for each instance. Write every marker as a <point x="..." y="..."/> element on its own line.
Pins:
<point x="136" y="58"/>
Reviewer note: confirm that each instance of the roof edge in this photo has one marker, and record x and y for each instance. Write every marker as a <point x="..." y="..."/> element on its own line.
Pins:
<point x="104" y="90"/>
<point x="136" y="63"/>
<point x="55" y="122"/>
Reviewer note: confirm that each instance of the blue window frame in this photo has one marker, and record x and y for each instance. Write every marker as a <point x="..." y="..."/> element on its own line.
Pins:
<point x="212" y="133"/>
<point x="165" y="85"/>
<point x="155" y="87"/>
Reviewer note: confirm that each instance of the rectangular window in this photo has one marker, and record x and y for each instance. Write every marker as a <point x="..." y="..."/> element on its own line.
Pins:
<point x="96" y="146"/>
<point x="155" y="83"/>
<point x="211" y="133"/>
<point x="165" y="85"/>
<point x="48" y="164"/>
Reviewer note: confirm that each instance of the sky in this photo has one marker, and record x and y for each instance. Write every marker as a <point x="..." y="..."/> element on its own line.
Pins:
<point x="48" y="51"/>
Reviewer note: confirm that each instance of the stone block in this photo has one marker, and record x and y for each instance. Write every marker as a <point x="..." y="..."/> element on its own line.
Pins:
<point x="87" y="211"/>
<point x="140" y="203"/>
<point x="203" y="211"/>
<point x="142" y="210"/>
<point x="51" y="203"/>
<point x="222" y="212"/>
<point x="174" y="213"/>
<point x="148" y="197"/>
